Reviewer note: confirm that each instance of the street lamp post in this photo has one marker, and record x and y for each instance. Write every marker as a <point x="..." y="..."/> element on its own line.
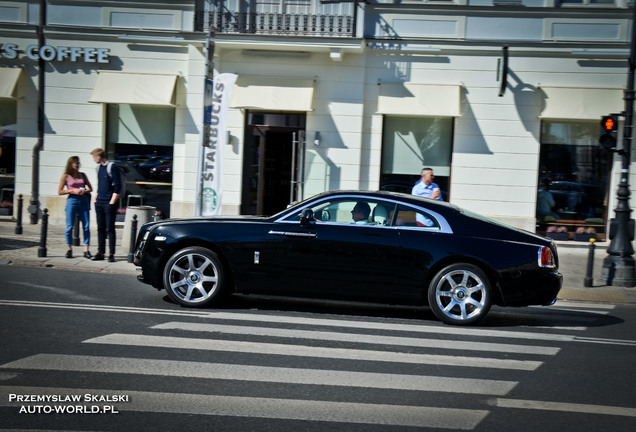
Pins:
<point x="619" y="268"/>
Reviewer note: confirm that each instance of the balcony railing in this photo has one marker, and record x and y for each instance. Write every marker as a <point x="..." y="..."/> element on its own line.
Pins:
<point x="282" y="24"/>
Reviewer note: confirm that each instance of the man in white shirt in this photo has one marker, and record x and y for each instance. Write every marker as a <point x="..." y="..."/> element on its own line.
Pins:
<point x="426" y="188"/>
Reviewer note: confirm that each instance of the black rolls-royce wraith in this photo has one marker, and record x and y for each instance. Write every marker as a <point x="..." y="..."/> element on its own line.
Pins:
<point x="364" y="246"/>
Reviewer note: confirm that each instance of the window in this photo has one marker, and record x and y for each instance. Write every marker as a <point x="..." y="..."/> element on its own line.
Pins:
<point x="140" y="139"/>
<point x="574" y="176"/>
<point x="368" y="212"/>
<point x="586" y="2"/>
<point x="412" y="143"/>
<point x="8" y="129"/>
<point x="351" y="210"/>
<point x="409" y="217"/>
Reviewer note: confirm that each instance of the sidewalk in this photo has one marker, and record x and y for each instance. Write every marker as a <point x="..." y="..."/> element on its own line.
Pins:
<point x="23" y="249"/>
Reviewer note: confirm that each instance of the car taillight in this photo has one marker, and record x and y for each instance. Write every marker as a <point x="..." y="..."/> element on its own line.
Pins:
<point x="546" y="259"/>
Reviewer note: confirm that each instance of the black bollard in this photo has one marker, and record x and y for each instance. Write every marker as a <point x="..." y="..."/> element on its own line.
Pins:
<point x="18" y="225"/>
<point x="76" y="234"/>
<point x="43" y="232"/>
<point x="133" y="238"/>
<point x="590" y="265"/>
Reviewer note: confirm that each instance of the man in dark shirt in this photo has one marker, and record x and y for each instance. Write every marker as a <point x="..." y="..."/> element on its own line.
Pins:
<point x="108" y="188"/>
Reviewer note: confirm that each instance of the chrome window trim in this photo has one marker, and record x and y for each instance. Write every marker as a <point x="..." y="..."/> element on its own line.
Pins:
<point x="444" y="226"/>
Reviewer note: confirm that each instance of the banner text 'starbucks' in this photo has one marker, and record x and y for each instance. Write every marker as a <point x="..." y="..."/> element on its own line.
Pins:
<point x="216" y="105"/>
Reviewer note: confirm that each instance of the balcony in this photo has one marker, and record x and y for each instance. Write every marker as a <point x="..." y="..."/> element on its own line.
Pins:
<point x="266" y="23"/>
<point x="263" y="17"/>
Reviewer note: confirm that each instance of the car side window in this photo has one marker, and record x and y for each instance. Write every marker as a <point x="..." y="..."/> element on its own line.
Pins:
<point x="410" y="217"/>
<point x="351" y="210"/>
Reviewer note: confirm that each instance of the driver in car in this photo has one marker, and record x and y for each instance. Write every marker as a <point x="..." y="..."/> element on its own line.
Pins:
<point x="360" y="213"/>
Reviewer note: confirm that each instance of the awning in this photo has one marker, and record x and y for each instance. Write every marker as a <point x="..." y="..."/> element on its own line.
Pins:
<point x="134" y="89"/>
<point x="440" y="100"/>
<point x="580" y="103"/>
<point x="273" y="94"/>
<point x="8" y="81"/>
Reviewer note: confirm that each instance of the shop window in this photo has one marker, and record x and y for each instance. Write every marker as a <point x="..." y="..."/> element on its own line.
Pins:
<point x="412" y="143"/>
<point x="141" y="140"/>
<point x="574" y="175"/>
<point x="586" y="2"/>
<point x="8" y="130"/>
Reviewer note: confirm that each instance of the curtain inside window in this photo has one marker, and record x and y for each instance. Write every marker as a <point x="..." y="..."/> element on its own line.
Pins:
<point x="411" y="143"/>
<point x="140" y="124"/>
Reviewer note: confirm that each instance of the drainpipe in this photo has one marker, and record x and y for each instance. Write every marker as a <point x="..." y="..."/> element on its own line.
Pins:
<point x="34" y="207"/>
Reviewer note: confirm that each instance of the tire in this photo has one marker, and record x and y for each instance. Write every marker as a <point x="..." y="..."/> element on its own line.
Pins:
<point x="460" y="294"/>
<point x="194" y="277"/>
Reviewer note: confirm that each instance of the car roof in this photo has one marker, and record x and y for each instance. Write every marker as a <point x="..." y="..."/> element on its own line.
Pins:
<point x="398" y="196"/>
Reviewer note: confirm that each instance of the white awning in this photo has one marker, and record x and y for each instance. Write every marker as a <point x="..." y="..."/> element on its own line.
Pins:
<point x="580" y="103"/>
<point x="8" y="81"/>
<point x="440" y="100"/>
<point x="273" y="94"/>
<point x="134" y="89"/>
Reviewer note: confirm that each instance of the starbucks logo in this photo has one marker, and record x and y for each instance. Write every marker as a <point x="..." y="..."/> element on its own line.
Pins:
<point x="209" y="200"/>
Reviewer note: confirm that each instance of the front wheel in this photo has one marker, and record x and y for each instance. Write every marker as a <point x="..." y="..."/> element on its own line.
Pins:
<point x="460" y="294"/>
<point x="194" y="277"/>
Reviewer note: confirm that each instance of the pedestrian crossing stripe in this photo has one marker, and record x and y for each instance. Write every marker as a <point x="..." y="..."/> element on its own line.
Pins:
<point x="312" y="351"/>
<point x="462" y="345"/>
<point x="222" y="371"/>
<point x="275" y="408"/>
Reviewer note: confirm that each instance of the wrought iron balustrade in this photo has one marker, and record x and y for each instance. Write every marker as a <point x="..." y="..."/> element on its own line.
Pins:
<point x="282" y="24"/>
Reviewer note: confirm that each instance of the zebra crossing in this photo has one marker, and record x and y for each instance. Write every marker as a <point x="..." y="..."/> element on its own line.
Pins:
<point x="398" y="351"/>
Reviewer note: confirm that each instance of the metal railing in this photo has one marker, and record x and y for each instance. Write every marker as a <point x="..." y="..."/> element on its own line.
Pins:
<point x="226" y="16"/>
<point x="282" y="24"/>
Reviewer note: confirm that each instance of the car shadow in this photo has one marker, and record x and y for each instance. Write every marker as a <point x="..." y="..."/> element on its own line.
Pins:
<point x="498" y="317"/>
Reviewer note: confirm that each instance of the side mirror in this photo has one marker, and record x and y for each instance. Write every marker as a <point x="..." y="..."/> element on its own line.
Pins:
<point x="307" y="217"/>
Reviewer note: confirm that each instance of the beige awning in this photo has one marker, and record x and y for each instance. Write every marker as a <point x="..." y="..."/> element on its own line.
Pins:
<point x="273" y="94"/>
<point x="580" y="103"/>
<point x="134" y="89"/>
<point x="8" y="82"/>
<point x="440" y="100"/>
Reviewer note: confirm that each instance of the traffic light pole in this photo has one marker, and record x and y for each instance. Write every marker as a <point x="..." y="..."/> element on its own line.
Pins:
<point x="619" y="268"/>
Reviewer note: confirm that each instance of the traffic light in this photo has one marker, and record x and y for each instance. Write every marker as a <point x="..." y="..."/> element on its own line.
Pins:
<point x="609" y="131"/>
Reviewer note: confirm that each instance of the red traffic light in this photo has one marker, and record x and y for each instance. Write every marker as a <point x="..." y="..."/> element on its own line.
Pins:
<point x="609" y="131"/>
<point x="609" y="124"/>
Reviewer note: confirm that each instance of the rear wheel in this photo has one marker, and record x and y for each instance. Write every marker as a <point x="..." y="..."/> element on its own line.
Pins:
<point x="194" y="277"/>
<point x="460" y="294"/>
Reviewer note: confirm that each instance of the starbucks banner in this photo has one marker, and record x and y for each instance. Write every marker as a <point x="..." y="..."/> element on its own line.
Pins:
<point x="214" y="139"/>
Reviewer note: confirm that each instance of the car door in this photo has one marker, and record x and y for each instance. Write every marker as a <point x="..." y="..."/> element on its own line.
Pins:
<point x="333" y="257"/>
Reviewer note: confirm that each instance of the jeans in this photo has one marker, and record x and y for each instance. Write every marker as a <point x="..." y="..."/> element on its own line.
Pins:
<point x="105" y="214"/>
<point x="77" y="204"/>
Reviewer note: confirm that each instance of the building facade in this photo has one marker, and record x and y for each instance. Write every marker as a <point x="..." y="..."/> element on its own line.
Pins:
<point x="124" y="76"/>
<point x="499" y="97"/>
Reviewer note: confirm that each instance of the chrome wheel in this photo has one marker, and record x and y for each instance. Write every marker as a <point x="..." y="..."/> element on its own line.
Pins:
<point x="193" y="277"/>
<point x="460" y="294"/>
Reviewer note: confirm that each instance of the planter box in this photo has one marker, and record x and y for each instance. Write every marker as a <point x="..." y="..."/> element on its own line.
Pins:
<point x="584" y="237"/>
<point x="6" y="211"/>
<point x="558" y="235"/>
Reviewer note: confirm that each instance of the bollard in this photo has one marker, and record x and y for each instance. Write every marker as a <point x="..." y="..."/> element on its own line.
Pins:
<point x="590" y="265"/>
<point x="76" y="234"/>
<point x="45" y="223"/>
<point x="133" y="238"/>
<point x="18" y="226"/>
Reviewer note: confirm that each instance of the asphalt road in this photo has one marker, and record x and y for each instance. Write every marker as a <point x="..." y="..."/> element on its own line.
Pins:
<point x="135" y="361"/>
